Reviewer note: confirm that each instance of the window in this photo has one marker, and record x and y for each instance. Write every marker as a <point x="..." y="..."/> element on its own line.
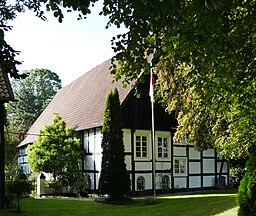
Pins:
<point x="179" y="166"/>
<point x="162" y="147"/>
<point x="141" y="146"/>
<point x="140" y="183"/>
<point x="165" y="182"/>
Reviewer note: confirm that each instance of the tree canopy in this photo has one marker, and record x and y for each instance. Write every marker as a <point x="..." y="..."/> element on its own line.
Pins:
<point x="55" y="149"/>
<point x="32" y="95"/>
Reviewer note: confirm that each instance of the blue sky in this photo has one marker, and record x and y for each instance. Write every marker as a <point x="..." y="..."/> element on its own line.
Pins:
<point x="69" y="49"/>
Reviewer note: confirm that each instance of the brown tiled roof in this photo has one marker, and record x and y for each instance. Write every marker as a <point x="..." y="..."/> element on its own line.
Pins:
<point x="81" y="104"/>
<point x="6" y="93"/>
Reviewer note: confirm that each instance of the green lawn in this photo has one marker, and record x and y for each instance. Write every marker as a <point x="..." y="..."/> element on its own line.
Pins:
<point x="214" y="203"/>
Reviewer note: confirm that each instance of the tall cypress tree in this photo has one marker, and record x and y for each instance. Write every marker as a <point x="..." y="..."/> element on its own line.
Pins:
<point x="114" y="178"/>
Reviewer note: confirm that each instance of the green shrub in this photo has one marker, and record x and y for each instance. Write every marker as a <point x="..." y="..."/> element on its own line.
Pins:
<point x="246" y="197"/>
<point x="18" y="189"/>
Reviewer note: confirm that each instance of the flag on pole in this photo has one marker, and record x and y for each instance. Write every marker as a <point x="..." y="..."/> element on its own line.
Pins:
<point x="151" y="88"/>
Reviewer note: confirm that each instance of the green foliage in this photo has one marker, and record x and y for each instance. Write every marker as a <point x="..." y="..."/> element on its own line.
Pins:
<point x="114" y="179"/>
<point x="247" y="190"/>
<point x="33" y="94"/>
<point x="56" y="151"/>
<point x="17" y="188"/>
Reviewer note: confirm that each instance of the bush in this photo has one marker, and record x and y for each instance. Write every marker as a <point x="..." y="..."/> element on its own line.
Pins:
<point x="18" y="189"/>
<point x="246" y="197"/>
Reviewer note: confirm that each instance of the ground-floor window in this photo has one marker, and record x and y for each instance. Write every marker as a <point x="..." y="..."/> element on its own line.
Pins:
<point x="165" y="182"/>
<point x="140" y="183"/>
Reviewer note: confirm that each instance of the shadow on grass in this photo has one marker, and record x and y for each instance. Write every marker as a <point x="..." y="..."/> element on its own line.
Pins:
<point x="191" y="205"/>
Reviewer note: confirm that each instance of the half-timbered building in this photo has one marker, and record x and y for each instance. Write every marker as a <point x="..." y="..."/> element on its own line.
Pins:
<point x="177" y="164"/>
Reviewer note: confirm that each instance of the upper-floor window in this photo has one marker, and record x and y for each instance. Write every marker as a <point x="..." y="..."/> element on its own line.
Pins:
<point x="179" y="166"/>
<point x="162" y="146"/>
<point x="141" y="146"/>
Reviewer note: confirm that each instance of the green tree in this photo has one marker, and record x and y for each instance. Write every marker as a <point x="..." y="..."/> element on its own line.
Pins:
<point x="114" y="178"/>
<point x="33" y="94"/>
<point x="56" y="151"/>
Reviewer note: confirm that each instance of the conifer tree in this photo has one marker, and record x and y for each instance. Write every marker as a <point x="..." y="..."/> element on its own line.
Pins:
<point x="114" y="179"/>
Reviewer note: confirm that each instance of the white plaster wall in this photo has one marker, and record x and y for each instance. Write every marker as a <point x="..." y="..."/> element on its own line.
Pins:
<point x="143" y="166"/>
<point x="163" y="165"/>
<point x="128" y="162"/>
<point x="208" y="153"/>
<point x="127" y="140"/>
<point x="208" y="165"/>
<point x="91" y="141"/>
<point x="208" y="181"/>
<point x="193" y="154"/>
<point x="97" y="142"/>
<point x="194" y="181"/>
<point x="179" y="151"/>
<point x="180" y="183"/>
<point x="194" y="167"/>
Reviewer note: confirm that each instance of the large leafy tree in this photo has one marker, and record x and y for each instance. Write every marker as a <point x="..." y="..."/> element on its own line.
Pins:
<point x="114" y="178"/>
<point x="32" y="95"/>
<point x="55" y="151"/>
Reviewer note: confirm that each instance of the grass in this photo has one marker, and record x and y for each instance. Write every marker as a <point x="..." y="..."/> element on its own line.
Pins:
<point x="221" y="203"/>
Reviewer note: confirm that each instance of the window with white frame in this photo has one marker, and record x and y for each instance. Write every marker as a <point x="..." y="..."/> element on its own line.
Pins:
<point x="180" y="166"/>
<point x="140" y="183"/>
<point x="165" y="182"/>
<point x="162" y="147"/>
<point x="141" y="146"/>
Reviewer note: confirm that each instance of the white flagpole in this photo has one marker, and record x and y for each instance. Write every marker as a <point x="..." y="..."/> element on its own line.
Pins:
<point x="151" y="93"/>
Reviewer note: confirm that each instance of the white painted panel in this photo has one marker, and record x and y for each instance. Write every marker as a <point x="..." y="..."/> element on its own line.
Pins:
<point x="143" y="166"/>
<point x="180" y="183"/>
<point x="194" y="181"/>
<point x="91" y="141"/>
<point x="208" y="165"/>
<point x="225" y="167"/>
<point x="163" y="165"/>
<point x="128" y="161"/>
<point x="208" y="181"/>
<point x="179" y="151"/>
<point x="193" y="154"/>
<point x="98" y="138"/>
<point x="127" y="140"/>
<point x="208" y="153"/>
<point x="97" y="159"/>
<point x="194" y="167"/>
